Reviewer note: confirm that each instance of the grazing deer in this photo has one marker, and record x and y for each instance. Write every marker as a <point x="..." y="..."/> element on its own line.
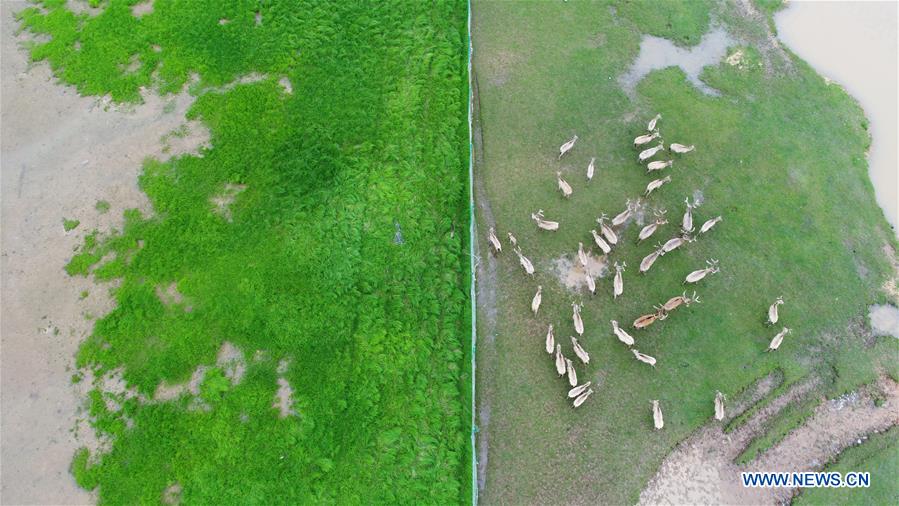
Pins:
<point x="622" y="336"/>
<point x="578" y="390"/>
<point x="676" y="302"/>
<point x="590" y="168"/>
<point x="491" y="238"/>
<point x="564" y="148"/>
<point x="618" y="284"/>
<point x="651" y="258"/>
<point x="646" y="138"/>
<point x="581" y="255"/>
<point x="648" y="319"/>
<point x="525" y="263"/>
<point x="606" y="230"/>
<point x="580" y="351"/>
<point x="512" y="240"/>
<point x="680" y="148"/>
<point x="576" y="318"/>
<point x="687" y="225"/>
<point x="564" y="187"/>
<point x="560" y="360"/>
<point x="719" y="405"/>
<point x="647" y="231"/>
<point x="622" y="217"/>
<point x="572" y="374"/>
<point x="642" y="357"/>
<point x="652" y="123"/>
<point x="772" y="311"/>
<point x="675" y="242"/>
<point x="778" y="339"/>
<point x="658" y="165"/>
<point x="656" y="184"/>
<point x="591" y="283"/>
<point x="646" y="154"/>
<point x="603" y="245"/>
<point x="538" y="297"/>
<point x="709" y="224"/>
<point x="550" y="340"/>
<point x="583" y="397"/>
<point x="657" y="419"/>
<point x="544" y="224"/>
<point x="696" y="276"/>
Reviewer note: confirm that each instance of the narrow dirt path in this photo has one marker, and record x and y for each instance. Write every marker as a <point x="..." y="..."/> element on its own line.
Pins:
<point x="701" y="470"/>
<point x="485" y="279"/>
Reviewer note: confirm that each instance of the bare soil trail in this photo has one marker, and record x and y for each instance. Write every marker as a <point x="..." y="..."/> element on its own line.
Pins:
<point x="60" y="154"/>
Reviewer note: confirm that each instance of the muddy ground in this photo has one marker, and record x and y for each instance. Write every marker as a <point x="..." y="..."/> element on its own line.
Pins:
<point x="60" y="154"/>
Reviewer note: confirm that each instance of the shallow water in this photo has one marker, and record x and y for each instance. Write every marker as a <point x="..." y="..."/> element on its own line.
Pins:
<point x="657" y="53"/>
<point x="855" y="45"/>
<point x="884" y="320"/>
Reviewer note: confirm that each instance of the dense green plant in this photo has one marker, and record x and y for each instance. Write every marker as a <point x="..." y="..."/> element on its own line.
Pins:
<point x="371" y="141"/>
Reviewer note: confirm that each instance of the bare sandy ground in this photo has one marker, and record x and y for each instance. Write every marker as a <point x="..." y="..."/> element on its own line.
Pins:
<point x="59" y="154"/>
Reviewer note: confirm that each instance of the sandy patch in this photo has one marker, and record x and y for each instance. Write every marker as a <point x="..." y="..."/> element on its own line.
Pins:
<point x="61" y="154"/>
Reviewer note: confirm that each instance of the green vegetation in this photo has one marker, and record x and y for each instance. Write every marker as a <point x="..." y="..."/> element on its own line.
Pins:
<point x="684" y="22"/>
<point x="69" y="225"/>
<point x="780" y="155"/>
<point x="344" y="253"/>
<point x="879" y="455"/>
<point x="102" y="206"/>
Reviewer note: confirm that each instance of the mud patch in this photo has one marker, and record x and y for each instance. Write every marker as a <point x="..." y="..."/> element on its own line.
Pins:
<point x="83" y="7"/>
<point x="285" y="83"/>
<point x="142" y="9"/>
<point x="232" y="361"/>
<point x="501" y="66"/>
<point x="884" y="320"/>
<point x="284" y="399"/>
<point x="572" y="275"/>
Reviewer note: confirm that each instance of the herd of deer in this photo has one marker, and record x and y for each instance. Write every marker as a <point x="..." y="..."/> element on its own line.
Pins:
<point x="606" y="238"/>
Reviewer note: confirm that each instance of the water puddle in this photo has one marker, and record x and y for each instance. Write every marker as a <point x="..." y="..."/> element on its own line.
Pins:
<point x="855" y="45"/>
<point x="884" y="320"/>
<point x="657" y="53"/>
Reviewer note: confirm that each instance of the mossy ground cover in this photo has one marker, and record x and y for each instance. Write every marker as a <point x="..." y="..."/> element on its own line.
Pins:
<point x="780" y="155"/>
<point x="343" y="252"/>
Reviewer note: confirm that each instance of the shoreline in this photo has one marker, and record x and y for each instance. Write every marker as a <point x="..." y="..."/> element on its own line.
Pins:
<point x="831" y="46"/>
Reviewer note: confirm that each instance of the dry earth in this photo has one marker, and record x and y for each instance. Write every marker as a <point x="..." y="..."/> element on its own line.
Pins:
<point x="59" y="154"/>
<point x="701" y="470"/>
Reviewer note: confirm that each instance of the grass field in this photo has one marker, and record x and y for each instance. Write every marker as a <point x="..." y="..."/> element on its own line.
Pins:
<point x="325" y="227"/>
<point x="780" y="155"/>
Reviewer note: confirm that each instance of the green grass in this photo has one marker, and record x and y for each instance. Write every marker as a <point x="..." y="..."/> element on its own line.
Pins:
<point x="69" y="225"/>
<point x="879" y="455"/>
<point x="780" y="157"/>
<point x="372" y="138"/>
<point x="102" y="206"/>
